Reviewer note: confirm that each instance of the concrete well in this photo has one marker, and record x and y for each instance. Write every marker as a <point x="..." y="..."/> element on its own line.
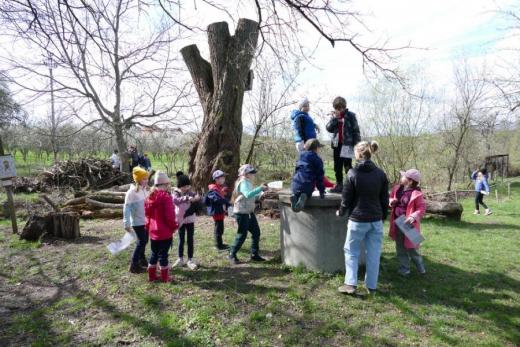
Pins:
<point x="315" y="236"/>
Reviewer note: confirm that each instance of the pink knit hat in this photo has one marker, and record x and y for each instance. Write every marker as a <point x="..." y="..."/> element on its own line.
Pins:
<point x="412" y="174"/>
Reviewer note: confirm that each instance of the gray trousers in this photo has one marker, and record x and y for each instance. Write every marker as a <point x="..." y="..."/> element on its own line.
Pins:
<point x="405" y="254"/>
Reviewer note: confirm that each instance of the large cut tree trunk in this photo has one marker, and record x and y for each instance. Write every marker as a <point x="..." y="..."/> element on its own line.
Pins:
<point x="220" y="85"/>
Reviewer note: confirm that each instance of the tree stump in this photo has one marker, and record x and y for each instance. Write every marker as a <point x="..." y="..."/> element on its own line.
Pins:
<point x="58" y="224"/>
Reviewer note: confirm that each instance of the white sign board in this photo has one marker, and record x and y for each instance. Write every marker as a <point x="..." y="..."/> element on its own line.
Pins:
<point x="7" y="168"/>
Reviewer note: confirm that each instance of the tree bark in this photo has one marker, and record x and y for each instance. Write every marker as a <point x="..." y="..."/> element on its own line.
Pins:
<point x="220" y="86"/>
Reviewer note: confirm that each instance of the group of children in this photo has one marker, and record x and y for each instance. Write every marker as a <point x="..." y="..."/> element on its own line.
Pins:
<point x="156" y="214"/>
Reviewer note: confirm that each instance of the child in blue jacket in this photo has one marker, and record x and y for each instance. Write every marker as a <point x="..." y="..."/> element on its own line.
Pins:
<point x="218" y="204"/>
<point x="479" y="177"/>
<point x="307" y="175"/>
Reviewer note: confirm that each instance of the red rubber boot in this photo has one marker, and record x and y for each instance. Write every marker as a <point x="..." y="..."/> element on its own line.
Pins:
<point x="165" y="275"/>
<point x="152" y="273"/>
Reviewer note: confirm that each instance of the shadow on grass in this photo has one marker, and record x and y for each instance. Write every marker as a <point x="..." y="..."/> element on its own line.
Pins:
<point x="33" y="324"/>
<point x="476" y="227"/>
<point x="475" y="293"/>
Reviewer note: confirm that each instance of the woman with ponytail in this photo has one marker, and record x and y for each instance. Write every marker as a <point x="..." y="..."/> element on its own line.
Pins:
<point x="365" y="202"/>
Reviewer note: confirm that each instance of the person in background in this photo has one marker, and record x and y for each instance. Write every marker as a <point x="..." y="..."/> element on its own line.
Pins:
<point x="161" y="225"/>
<point x="479" y="177"/>
<point x="134" y="218"/>
<point x="407" y="199"/>
<point x="133" y="156"/>
<point x="303" y="125"/>
<point x="365" y="202"/>
<point x="244" y="198"/>
<point x="307" y="175"/>
<point x="183" y="199"/>
<point x="147" y="164"/>
<point x="217" y="205"/>
<point x="345" y="129"/>
<point x="115" y="160"/>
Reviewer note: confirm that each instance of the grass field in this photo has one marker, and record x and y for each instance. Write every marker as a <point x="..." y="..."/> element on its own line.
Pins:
<point x="59" y="293"/>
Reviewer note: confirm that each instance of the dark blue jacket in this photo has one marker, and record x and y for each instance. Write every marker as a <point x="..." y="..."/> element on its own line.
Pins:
<point x="215" y="202"/>
<point x="308" y="173"/>
<point x="303" y="126"/>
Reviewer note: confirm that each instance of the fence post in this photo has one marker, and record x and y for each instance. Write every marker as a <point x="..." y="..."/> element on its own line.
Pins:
<point x="496" y="194"/>
<point x="456" y="196"/>
<point x="509" y="190"/>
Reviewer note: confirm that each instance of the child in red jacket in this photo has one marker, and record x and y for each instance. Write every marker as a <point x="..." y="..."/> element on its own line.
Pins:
<point x="407" y="199"/>
<point x="161" y="225"/>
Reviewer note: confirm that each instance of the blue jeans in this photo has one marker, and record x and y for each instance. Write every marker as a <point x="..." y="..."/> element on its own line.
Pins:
<point x="140" y="245"/>
<point x="372" y="234"/>
<point x="160" y="250"/>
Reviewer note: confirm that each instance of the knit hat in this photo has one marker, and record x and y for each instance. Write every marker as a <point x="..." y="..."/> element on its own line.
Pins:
<point x="217" y="174"/>
<point x="139" y="174"/>
<point x="304" y="102"/>
<point x="182" y="180"/>
<point x="246" y="169"/>
<point x="160" y="178"/>
<point x="312" y="145"/>
<point x="412" y="174"/>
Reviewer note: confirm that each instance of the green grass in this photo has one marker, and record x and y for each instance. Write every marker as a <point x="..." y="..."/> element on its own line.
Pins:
<point x="69" y="293"/>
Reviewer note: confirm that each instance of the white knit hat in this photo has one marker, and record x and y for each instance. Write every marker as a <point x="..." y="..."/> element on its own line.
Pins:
<point x="303" y="102"/>
<point x="160" y="178"/>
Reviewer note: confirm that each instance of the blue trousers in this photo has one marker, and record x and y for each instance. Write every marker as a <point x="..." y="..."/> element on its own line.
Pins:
<point x="372" y="234"/>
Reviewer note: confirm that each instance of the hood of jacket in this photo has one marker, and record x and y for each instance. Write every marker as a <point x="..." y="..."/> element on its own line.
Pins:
<point x="296" y="113"/>
<point x="366" y="166"/>
<point x="156" y="198"/>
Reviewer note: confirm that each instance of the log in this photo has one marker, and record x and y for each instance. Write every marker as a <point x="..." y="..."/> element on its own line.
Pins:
<point x="122" y="188"/>
<point x="50" y="202"/>
<point x="107" y="198"/>
<point x="75" y="201"/>
<point x="100" y="205"/>
<point x="449" y="210"/>
<point x="75" y="208"/>
<point x="106" y="213"/>
<point x="58" y="224"/>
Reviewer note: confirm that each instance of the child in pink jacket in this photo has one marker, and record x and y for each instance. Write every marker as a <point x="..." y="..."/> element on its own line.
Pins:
<point x="184" y="200"/>
<point x="407" y="199"/>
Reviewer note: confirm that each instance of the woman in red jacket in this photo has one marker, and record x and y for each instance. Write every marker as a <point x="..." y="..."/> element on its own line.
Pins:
<point x="161" y="224"/>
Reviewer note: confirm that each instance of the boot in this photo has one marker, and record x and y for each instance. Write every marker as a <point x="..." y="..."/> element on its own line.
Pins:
<point x="152" y="273"/>
<point x="135" y="268"/>
<point x="165" y="275"/>
<point x="257" y="257"/>
<point x="143" y="263"/>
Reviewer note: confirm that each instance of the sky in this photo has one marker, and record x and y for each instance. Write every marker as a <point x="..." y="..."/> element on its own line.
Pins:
<point x="441" y="32"/>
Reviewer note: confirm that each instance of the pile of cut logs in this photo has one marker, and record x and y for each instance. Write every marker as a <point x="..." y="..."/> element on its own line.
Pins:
<point x="101" y="204"/>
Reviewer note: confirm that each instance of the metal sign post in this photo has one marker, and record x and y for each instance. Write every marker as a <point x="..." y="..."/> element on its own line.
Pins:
<point x="8" y="171"/>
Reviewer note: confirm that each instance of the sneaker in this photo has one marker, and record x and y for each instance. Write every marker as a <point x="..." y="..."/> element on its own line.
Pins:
<point x="222" y="247"/>
<point x="347" y="289"/>
<point x="300" y="204"/>
<point x="337" y="189"/>
<point x="476" y="212"/>
<point x="179" y="263"/>
<point x="192" y="265"/>
<point x="403" y="272"/>
<point x="294" y="200"/>
<point x="488" y="212"/>
<point x="257" y="257"/>
<point x="233" y="260"/>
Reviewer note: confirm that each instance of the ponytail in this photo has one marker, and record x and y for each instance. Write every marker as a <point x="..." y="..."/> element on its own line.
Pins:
<point x="365" y="149"/>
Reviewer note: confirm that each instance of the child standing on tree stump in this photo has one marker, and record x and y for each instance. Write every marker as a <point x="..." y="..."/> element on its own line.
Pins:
<point x="161" y="225"/>
<point x="218" y="204"/>
<point x="184" y="201"/>
<point x="407" y="199"/>
<point x="134" y="218"/>
<point x="244" y="197"/>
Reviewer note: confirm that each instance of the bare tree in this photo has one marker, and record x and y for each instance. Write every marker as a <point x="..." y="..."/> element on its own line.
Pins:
<point x="113" y="60"/>
<point x="471" y="94"/>
<point x="268" y="99"/>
